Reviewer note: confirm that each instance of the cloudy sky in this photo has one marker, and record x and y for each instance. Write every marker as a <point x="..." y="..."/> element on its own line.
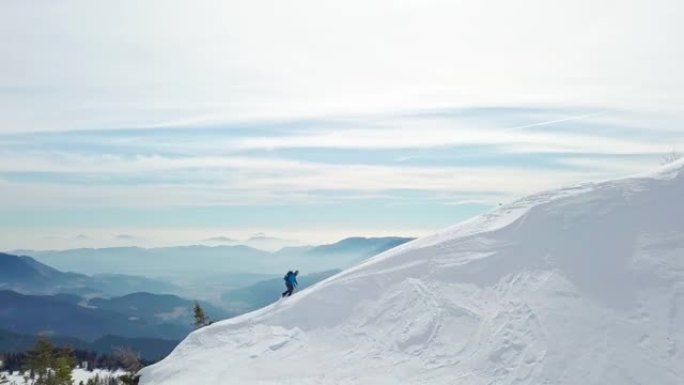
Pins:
<point x="167" y="122"/>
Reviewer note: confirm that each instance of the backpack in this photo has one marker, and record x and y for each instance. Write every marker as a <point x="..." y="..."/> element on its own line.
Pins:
<point x="287" y="277"/>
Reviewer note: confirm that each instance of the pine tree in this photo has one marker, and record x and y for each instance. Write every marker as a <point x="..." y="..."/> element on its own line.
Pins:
<point x="39" y="360"/>
<point x="62" y="370"/>
<point x="47" y="366"/>
<point x="200" y="318"/>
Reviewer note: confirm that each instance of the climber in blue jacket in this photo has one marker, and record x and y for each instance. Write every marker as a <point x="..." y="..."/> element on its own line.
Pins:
<point x="291" y="282"/>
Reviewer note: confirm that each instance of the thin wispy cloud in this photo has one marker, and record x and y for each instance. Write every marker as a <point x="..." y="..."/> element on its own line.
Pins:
<point x="468" y="153"/>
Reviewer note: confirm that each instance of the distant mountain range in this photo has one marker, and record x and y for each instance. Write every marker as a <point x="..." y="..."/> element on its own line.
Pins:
<point x="38" y="299"/>
<point x="148" y="348"/>
<point x="157" y="308"/>
<point x="202" y="260"/>
<point x="26" y="275"/>
<point x="61" y="315"/>
<point x="119" y="306"/>
<point x="155" y="262"/>
<point x="149" y="324"/>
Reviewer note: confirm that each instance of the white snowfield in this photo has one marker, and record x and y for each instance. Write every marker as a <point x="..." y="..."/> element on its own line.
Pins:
<point x="78" y="375"/>
<point x="578" y="286"/>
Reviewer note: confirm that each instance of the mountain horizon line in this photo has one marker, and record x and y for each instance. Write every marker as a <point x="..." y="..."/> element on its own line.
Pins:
<point x="237" y="244"/>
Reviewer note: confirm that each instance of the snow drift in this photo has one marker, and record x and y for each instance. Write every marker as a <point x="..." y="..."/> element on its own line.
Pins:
<point x="582" y="285"/>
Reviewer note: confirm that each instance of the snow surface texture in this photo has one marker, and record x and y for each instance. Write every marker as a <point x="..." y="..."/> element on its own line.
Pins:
<point x="582" y="285"/>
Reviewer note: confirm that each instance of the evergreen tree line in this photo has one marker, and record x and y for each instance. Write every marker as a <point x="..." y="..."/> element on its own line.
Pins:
<point x="45" y="364"/>
<point x="16" y="362"/>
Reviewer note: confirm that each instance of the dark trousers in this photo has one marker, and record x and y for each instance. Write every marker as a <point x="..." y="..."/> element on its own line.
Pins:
<point x="289" y="290"/>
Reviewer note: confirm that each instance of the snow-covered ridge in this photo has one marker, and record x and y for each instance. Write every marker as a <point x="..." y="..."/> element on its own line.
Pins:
<point x="581" y="285"/>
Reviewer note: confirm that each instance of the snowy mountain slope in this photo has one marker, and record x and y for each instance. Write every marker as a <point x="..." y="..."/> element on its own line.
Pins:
<point x="582" y="285"/>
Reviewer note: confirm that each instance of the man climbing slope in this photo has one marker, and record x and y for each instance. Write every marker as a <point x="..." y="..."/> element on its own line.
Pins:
<point x="291" y="282"/>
